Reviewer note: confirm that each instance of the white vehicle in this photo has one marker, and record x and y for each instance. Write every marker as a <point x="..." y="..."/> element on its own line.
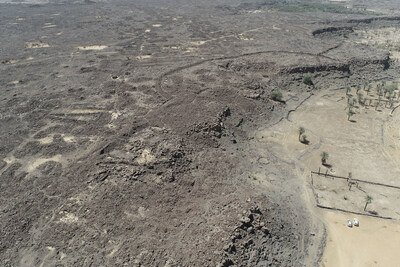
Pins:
<point x="356" y="223"/>
<point x="349" y="224"/>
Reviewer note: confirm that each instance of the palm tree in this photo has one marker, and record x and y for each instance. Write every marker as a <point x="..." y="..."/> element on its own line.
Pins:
<point x="360" y="97"/>
<point x="358" y="88"/>
<point x="378" y="102"/>
<point x="366" y="85"/>
<point x="369" y="88"/>
<point x="304" y="139"/>
<point x="324" y="157"/>
<point x="348" y="90"/>
<point x="350" y="113"/>
<point x="385" y="91"/>
<point x="301" y="131"/>
<point x="391" y="102"/>
<point x="368" y="200"/>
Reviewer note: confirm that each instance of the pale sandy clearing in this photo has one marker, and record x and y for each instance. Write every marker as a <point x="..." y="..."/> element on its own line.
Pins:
<point x="145" y="157"/>
<point x="368" y="148"/>
<point x="375" y="242"/>
<point x="143" y="57"/>
<point x="36" y="45"/>
<point x="37" y="162"/>
<point x="92" y="47"/>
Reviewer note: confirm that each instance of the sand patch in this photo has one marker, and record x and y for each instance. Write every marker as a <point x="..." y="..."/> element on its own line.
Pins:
<point x="14" y="82"/>
<point x="49" y="26"/>
<point x="92" y="47"/>
<point x="145" y="157"/>
<point x="276" y="28"/>
<point x="374" y="243"/>
<point x="34" y="45"/>
<point x="115" y="115"/>
<point x="9" y="160"/>
<point x="46" y="140"/>
<point x="243" y="38"/>
<point x="69" y="139"/>
<point x="8" y="61"/>
<point x="198" y="42"/>
<point x="144" y="57"/>
<point x="37" y="162"/>
<point x="69" y="218"/>
<point x="85" y="111"/>
<point x="49" y="139"/>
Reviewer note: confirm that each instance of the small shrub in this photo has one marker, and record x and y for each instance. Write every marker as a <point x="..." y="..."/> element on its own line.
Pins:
<point x="307" y="80"/>
<point x="276" y="96"/>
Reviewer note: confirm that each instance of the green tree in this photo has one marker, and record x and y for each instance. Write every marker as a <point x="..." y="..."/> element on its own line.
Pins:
<point x="360" y="97"/>
<point x="276" y="96"/>
<point x="307" y="80"/>
<point x="348" y="89"/>
<point x="304" y="139"/>
<point x="301" y="131"/>
<point x="324" y="157"/>
<point x="350" y="113"/>
<point x="391" y="103"/>
<point x="369" y="88"/>
<point x="377" y="103"/>
<point x="358" y="88"/>
<point x="368" y="200"/>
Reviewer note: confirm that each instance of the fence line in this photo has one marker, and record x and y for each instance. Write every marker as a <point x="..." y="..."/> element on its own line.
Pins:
<point x="354" y="212"/>
<point x="352" y="179"/>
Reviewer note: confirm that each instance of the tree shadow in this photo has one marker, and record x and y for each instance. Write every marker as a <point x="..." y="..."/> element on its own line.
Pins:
<point x="306" y="142"/>
<point x="372" y="212"/>
<point x="327" y="165"/>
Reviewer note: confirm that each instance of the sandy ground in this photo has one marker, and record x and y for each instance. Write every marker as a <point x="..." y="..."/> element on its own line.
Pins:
<point x="374" y="243"/>
<point x="367" y="147"/>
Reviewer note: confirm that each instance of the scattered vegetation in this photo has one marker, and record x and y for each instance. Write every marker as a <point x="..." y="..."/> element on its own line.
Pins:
<point x="384" y="92"/>
<point x="318" y="7"/>
<point x="276" y="96"/>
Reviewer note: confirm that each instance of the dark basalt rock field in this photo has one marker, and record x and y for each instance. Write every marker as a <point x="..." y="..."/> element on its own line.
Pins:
<point x="127" y="130"/>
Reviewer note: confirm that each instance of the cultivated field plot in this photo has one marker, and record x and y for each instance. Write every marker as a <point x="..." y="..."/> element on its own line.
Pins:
<point x="349" y="195"/>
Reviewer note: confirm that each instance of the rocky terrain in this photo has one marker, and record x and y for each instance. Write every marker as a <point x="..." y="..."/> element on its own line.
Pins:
<point x="127" y="129"/>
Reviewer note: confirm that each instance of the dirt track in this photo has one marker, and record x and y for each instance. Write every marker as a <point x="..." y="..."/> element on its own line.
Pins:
<point x="129" y="133"/>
